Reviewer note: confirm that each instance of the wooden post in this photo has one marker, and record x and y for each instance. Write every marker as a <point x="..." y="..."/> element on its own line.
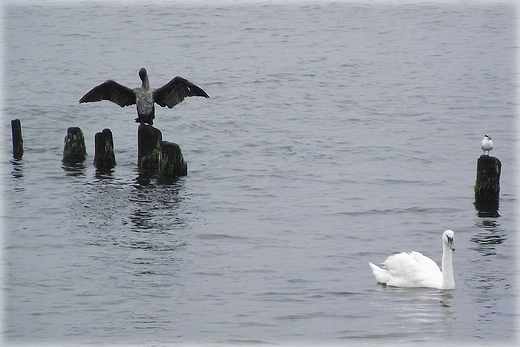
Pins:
<point x="157" y="155"/>
<point x="149" y="146"/>
<point x="171" y="162"/>
<point x="16" y="130"/>
<point x="75" y="150"/>
<point x="487" y="186"/>
<point x="104" y="158"/>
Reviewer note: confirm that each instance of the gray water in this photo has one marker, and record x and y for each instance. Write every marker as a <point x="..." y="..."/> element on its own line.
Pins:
<point x="336" y="134"/>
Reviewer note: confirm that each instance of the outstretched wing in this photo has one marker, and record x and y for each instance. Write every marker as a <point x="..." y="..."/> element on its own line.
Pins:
<point x="175" y="91"/>
<point x="111" y="91"/>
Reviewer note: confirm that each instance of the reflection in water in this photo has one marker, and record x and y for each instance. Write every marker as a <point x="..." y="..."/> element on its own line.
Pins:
<point x="74" y="169"/>
<point x="446" y="297"/>
<point x="141" y="219"/>
<point x="489" y="286"/>
<point x="142" y="224"/>
<point x="104" y="174"/>
<point x="17" y="171"/>
<point x="487" y="210"/>
<point x="419" y="305"/>
<point x="156" y="205"/>
<point x="144" y="178"/>
<point x="148" y="177"/>
<point x="150" y="207"/>
<point x="416" y="310"/>
<point x="489" y="281"/>
<point x="155" y="202"/>
<point x="487" y="239"/>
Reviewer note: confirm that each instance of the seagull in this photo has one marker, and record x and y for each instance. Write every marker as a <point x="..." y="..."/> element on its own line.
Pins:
<point x="171" y="94"/>
<point x="487" y="144"/>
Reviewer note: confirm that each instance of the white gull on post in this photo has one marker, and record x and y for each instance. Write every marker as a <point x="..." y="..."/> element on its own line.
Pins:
<point x="487" y="144"/>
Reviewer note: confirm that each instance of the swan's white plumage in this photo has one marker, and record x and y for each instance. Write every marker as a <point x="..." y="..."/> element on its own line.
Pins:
<point x="412" y="269"/>
<point x="408" y="269"/>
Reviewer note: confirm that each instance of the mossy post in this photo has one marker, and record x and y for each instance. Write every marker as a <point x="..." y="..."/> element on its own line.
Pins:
<point x="75" y="150"/>
<point x="487" y="186"/>
<point x="148" y="147"/>
<point x="16" y="130"/>
<point x="161" y="156"/>
<point x="171" y="163"/>
<point x="104" y="159"/>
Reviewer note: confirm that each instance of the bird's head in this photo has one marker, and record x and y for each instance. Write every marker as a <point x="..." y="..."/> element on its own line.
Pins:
<point x="449" y="238"/>
<point x="143" y="74"/>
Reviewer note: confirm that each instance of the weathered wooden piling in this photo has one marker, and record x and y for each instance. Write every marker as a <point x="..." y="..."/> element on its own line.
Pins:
<point x="171" y="162"/>
<point x="16" y="130"/>
<point x="162" y="156"/>
<point x="487" y="186"/>
<point x="104" y="158"/>
<point x="149" y="147"/>
<point x="75" y="150"/>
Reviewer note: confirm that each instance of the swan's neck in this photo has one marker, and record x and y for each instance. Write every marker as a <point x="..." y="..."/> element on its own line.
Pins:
<point x="448" y="281"/>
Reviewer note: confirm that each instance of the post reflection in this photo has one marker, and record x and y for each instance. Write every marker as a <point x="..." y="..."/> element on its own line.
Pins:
<point x="74" y="169"/>
<point x="487" y="280"/>
<point x="102" y="174"/>
<point x="17" y="171"/>
<point x="489" y="236"/>
<point x="150" y="177"/>
<point x="140" y="226"/>
<point x="156" y="204"/>
<point x="487" y="210"/>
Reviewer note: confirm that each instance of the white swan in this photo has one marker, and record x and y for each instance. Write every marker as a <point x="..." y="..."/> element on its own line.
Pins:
<point x="412" y="269"/>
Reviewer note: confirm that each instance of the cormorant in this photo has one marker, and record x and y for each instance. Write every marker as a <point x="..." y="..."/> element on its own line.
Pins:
<point x="171" y="94"/>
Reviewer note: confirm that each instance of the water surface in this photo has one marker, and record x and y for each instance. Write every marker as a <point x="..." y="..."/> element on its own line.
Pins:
<point x="336" y="134"/>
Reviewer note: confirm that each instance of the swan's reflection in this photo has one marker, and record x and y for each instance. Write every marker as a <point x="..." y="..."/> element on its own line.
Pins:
<point x="419" y="305"/>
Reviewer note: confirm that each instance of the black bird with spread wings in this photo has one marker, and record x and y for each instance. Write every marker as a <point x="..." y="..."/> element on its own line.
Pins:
<point x="171" y="94"/>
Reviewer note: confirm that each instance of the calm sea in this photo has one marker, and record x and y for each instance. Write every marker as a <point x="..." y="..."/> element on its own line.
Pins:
<point x="336" y="134"/>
